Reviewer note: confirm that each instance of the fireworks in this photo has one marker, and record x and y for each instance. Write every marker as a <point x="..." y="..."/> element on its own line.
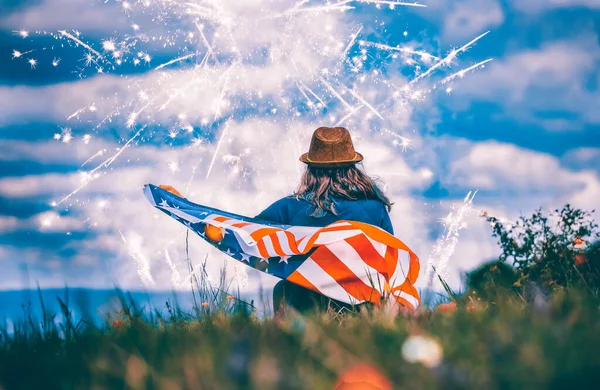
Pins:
<point x="453" y="223"/>
<point x="230" y="60"/>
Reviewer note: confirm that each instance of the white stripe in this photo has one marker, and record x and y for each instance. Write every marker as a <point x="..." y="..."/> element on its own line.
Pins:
<point x="300" y="232"/>
<point x="413" y="301"/>
<point x="324" y="282"/>
<point x="379" y="247"/>
<point x="231" y="222"/>
<point x="336" y="224"/>
<point x="181" y="214"/>
<point x="352" y="259"/>
<point x="303" y="243"/>
<point x="255" y="226"/>
<point x="251" y="250"/>
<point x="402" y="268"/>
<point x="329" y="237"/>
<point x="284" y="243"/>
<point x="269" y="246"/>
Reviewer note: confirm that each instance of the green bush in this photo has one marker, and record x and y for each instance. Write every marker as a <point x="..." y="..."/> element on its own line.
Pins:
<point x="551" y="252"/>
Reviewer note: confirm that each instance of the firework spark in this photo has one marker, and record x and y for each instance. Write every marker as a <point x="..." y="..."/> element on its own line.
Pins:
<point x="446" y="61"/>
<point x="443" y="250"/>
<point x="78" y="41"/>
<point x="461" y="73"/>
<point x="218" y="54"/>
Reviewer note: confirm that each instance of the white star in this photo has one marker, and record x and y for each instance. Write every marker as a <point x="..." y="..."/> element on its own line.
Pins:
<point x="245" y="257"/>
<point x="284" y="259"/>
<point x="265" y="260"/>
<point x="229" y="253"/>
<point x="204" y="213"/>
<point x="163" y="203"/>
<point x="188" y="224"/>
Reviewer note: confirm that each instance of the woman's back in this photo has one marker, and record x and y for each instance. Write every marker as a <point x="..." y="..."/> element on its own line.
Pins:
<point x="297" y="211"/>
<point x="331" y="189"/>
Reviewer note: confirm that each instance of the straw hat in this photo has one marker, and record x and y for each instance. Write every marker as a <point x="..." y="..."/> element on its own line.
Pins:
<point x="331" y="147"/>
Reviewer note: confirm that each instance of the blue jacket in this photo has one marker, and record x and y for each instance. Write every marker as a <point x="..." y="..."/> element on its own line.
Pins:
<point x="292" y="211"/>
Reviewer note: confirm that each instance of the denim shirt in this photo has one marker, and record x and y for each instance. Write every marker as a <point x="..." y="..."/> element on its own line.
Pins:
<point x="299" y="212"/>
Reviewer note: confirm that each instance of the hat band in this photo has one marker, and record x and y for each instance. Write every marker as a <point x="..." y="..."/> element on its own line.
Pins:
<point x="333" y="161"/>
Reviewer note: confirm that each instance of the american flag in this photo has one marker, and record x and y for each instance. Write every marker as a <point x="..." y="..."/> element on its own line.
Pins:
<point x="349" y="261"/>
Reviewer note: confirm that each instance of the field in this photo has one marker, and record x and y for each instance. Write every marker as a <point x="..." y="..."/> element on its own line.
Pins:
<point x="521" y="327"/>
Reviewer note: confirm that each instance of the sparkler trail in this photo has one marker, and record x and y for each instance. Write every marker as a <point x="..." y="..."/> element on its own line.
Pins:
<point x="178" y="59"/>
<point x="339" y="6"/>
<point x="461" y="73"/>
<point x="391" y="3"/>
<point x="67" y="34"/>
<point x="448" y="59"/>
<point x="134" y="245"/>
<point x="350" y="44"/>
<point x="363" y="101"/>
<point x="444" y="247"/>
<point x="350" y="114"/>
<point x="422" y="54"/>
<point x="336" y="94"/>
<point x="175" y="276"/>
<point x="92" y="175"/>
<point x="212" y="162"/>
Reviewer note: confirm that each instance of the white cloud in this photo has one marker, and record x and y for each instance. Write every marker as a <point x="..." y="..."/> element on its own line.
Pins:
<point x="463" y="19"/>
<point x="531" y="83"/>
<point x="535" y="6"/>
<point x="469" y="18"/>
<point x="86" y="15"/>
<point x="531" y="179"/>
<point x="583" y="158"/>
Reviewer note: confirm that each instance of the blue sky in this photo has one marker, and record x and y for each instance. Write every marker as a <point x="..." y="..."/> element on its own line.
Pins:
<point x="524" y="131"/>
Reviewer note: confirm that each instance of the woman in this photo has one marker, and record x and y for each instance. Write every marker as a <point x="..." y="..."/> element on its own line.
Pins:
<point x="332" y="188"/>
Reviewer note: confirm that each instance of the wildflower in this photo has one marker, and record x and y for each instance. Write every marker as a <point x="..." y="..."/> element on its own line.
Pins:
<point x="117" y="323"/>
<point x="422" y="349"/>
<point x="204" y="304"/>
<point x="578" y="241"/>
<point x="446" y="307"/>
<point x="230" y="297"/>
<point x="580" y="258"/>
<point x="362" y="376"/>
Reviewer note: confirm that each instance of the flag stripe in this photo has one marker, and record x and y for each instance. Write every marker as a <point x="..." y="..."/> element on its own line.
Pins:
<point x="352" y="259"/>
<point x="338" y="271"/>
<point x="324" y="282"/>
<point x="368" y="254"/>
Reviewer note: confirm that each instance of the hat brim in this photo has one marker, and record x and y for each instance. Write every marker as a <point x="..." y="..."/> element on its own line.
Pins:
<point x="331" y="164"/>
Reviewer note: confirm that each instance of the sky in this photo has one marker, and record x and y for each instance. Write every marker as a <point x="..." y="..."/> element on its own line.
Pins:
<point x="220" y="98"/>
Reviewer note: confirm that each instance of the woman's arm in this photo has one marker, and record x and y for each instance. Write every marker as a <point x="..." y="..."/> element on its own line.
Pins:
<point x="386" y="222"/>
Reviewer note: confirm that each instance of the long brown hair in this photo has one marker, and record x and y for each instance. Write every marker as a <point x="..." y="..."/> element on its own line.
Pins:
<point x="320" y="185"/>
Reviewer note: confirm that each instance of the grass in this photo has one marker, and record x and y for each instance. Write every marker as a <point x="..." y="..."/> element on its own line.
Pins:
<point x="508" y="343"/>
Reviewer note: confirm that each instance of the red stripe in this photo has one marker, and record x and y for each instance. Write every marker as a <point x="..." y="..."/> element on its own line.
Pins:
<point x="262" y="232"/>
<point x="291" y="240"/>
<point x="369" y="254"/>
<point x="241" y="224"/>
<point x="276" y="244"/>
<point x="325" y="259"/>
<point x="297" y="278"/>
<point x="262" y="249"/>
